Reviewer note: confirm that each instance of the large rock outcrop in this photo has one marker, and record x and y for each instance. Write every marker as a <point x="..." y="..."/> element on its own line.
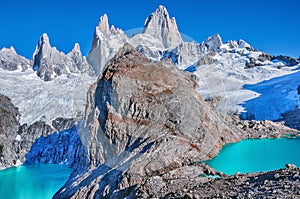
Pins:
<point x="8" y="131"/>
<point x="51" y="63"/>
<point x="144" y="121"/>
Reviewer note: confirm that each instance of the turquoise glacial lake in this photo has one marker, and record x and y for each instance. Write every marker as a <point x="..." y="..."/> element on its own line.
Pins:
<point x="254" y="155"/>
<point x="33" y="182"/>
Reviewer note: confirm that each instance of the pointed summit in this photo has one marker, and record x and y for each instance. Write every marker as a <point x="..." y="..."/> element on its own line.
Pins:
<point x="214" y="42"/>
<point x="10" y="60"/>
<point x="103" y="25"/>
<point x="106" y="43"/>
<point x="50" y="63"/>
<point x="76" y="48"/>
<point x="44" y="39"/>
<point x="75" y="52"/>
<point x="160" y="26"/>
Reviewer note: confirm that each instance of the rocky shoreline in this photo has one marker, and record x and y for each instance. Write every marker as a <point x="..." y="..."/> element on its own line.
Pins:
<point x="282" y="183"/>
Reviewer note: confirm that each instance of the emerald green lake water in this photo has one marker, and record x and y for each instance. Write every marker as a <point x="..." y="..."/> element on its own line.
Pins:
<point x="256" y="155"/>
<point x="32" y="182"/>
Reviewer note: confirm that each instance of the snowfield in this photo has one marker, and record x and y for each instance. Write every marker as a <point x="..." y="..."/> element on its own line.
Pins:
<point x="277" y="95"/>
<point x="240" y="88"/>
<point x="35" y="98"/>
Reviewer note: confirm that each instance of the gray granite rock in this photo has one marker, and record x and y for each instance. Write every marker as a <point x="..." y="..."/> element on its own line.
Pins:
<point x="162" y="27"/>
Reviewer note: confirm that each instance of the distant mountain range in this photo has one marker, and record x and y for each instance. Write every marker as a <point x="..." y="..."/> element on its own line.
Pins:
<point x="160" y="39"/>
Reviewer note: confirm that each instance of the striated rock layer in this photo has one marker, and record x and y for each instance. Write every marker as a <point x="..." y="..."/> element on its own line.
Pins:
<point x="145" y="122"/>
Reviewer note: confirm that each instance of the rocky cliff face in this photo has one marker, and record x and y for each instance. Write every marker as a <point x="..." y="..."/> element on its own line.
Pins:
<point x="214" y="42"/>
<point x="10" y="60"/>
<point x="8" y="131"/>
<point x="62" y="147"/>
<point x="160" y="26"/>
<point x="144" y="121"/>
<point x="50" y="63"/>
<point x="38" y="142"/>
<point x="16" y="140"/>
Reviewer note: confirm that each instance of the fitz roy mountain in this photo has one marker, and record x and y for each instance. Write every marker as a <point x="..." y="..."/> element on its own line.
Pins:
<point x="139" y="114"/>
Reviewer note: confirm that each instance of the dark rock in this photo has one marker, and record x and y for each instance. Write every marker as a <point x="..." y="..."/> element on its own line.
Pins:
<point x="252" y="63"/>
<point x="264" y="57"/>
<point x="291" y="118"/>
<point x="8" y="131"/>
<point x="63" y="123"/>
<point x="16" y="140"/>
<point x="290" y="166"/>
<point x="289" y="61"/>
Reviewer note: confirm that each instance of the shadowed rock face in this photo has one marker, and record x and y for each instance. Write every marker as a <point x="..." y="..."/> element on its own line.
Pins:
<point x="144" y="121"/>
<point x="37" y="143"/>
<point x="16" y="140"/>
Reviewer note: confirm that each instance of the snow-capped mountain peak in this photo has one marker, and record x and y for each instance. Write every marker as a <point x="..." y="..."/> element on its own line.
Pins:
<point x="51" y="63"/>
<point x="10" y="60"/>
<point x="44" y="38"/>
<point x="103" y="25"/>
<point x="214" y="42"/>
<point x="160" y="26"/>
<point x="106" y="42"/>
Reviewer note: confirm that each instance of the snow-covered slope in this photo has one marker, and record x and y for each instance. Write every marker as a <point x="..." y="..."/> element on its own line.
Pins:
<point x="62" y="97"/>
<point x="276" y="96"/>
<point x="227" y="76"/>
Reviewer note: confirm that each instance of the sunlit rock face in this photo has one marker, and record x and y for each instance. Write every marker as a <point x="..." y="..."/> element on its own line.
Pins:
<point x="160" y="26"/>
<point x="106" y="43"/>
<point x="10" y="60"/>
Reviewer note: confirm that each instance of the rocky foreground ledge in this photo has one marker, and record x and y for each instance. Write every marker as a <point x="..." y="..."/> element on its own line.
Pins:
<point x="146" y="129"/>
<point x="283" y="183"/>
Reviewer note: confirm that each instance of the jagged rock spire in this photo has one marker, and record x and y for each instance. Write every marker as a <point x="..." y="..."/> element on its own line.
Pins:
<point x="50" y="63"/>
<point x="106" y="42"/>
<point x="160" y="26"/>
<point x="103" y="24"/>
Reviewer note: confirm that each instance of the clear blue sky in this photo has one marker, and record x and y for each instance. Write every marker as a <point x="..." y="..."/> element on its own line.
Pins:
<point x="272" y="26"/>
